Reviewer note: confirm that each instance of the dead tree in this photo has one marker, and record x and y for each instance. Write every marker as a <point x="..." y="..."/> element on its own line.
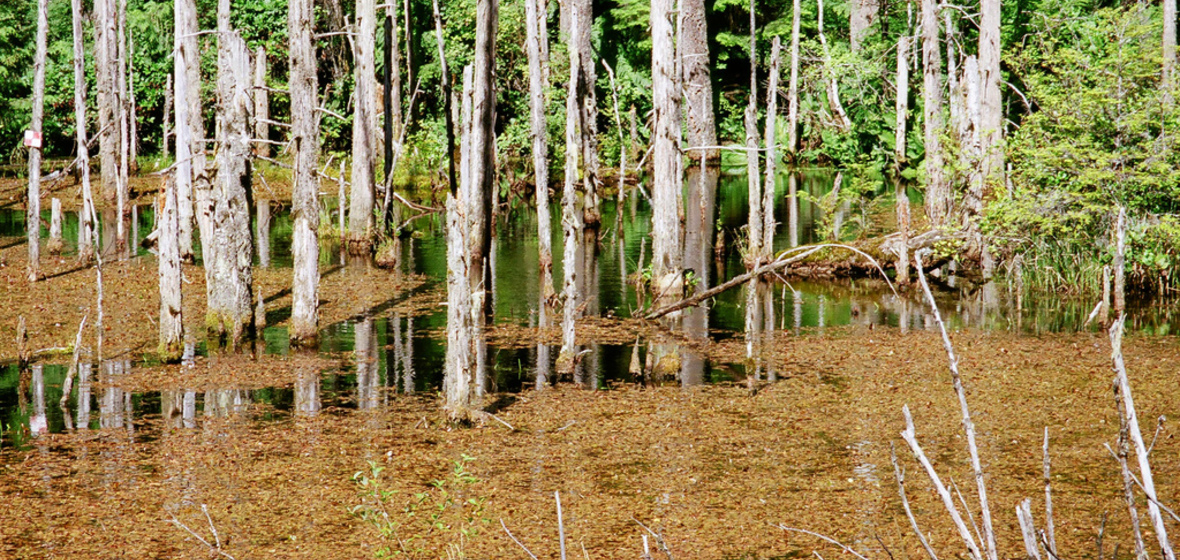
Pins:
<point x="192" y="182"/>
<point x="305" y="145"/>
<point x="698" y="84"/>
<point x="261" y="104"/>
<point x="33" y="216"/>
<point x="571" y="226"/>
<point x="768" y="189"/>
<point x="171" y="343"/>
<point x="938" y="191"/>
<point x="228" y="274"/>
<point x="537" y="44"/>
<point x="85" y="247"/>
<point x="667" y="177"/>
<point x="364" y="129"/>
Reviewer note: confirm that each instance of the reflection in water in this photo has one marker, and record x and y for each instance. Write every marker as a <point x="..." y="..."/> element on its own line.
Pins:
<point x="307" y="392"/>
<point x="367" y="383"/>
<point x="262" y="231"/>
<point x="225" y="403"/>
<point x="698" y="244"/>
<point x="82" y="415"/>
<point x="114" y="405"/>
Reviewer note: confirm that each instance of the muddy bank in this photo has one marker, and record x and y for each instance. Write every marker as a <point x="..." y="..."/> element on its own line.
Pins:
<point x="711" y="467"/>
<point x="53" y="307"/>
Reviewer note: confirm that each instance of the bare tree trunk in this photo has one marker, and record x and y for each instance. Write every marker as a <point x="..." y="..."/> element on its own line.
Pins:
<point x="364" y="134"/>
<point x="192" y="181"/>
<point x="863" y="15"/>
<point x="106" y="73"/>
<point x="901" y="198"/>
<point x="1120" y="263"/>
<point x="228" y="274"/>
<point x="123" y="109"/>
<point x="793" y="85"/>
<point x="938" y="192"/>
<point x="305" y="145"/>
<point x="587" y="110"/>
<point x="460" y="357"/>
<point x="483" y="148"/>
<point x="754" y="196"/>
<point x="167" y="117"/>
<point x="768" y="189"/>
<point x="56" y="244"/>
<point x="991" y="103"/>
<point x="132" y="109"/>
<point x="666" y="180"/>
<point x="537" y="46"/>
<point x="171" y="343"/>
<point x="33" y="215"/>
<point x="445" y="78"/>
<point x="1169" y="46"/>
<point x="85" y="225"/>
<point x="698" y="83"/>
<point x="954" y="98"/>
<point x="571" y="225"/>
<point x="262" y="103"/>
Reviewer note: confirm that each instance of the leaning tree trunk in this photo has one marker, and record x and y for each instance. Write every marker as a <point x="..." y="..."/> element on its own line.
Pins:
<point x="228" y="275"/>
<point x="305" y="144"/>
<point x="537" y="49"/>
<point x="698" y="84"/>
<point x="570" y="224"/>
<point x="364" y="130"/>
<point x="85" y="225"/>
<point x="938" y="191"/>
<point x="666" y="180"/>
<point x="261" y="104"/>
<point x="33" y="217"/>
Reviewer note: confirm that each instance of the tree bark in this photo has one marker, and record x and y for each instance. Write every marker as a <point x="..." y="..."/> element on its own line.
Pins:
<point x="192" y="180"/>
<point x="123" y="112"/>
<point x="587" y="109"/>
<point x="698" y="83"/>
<point x="228" y="274"/>
<point x="106" y="74"/>
<point x="167" y="122"/>
<point x="666" y="180"/>
<point x="261" y="103"/>
<point x="305" y="197"/>
<point x="171" y="342"/>
<point x="483" y="147"/>
<point x="861" y="18"/>
<point x="364" y="130"/>
<point x="754" y="186"/>
<point x="991" y="103"/>
<point x="537" y="46"/>
<point x="768" y="189"/>
<point x="901" y="198"/>
<point x="33" y="215"/>
<point x="461" y="363"/>
<point x="793" y="85"/>
<point x="571" y="225"/>
<point x="938" y="191"/>
<point x="1169" y="46"/>
<point x="85" y="247"/>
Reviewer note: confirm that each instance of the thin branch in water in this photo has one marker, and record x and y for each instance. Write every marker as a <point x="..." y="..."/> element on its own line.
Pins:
<point x="825" y="538"/>
<point x="905" y="502"/>
<point x="518" y="543"/>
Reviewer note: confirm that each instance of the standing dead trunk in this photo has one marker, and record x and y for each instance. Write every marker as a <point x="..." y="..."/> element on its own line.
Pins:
<point x="228" y="274"/>
<point x="1169" y="46"/>
<point x="85" y="225"/>
<point x="192" y="182"/>
<point x="901" y="198"/>
<point x="991" y="103"/>
<point x="793" y="85"/>
<point x="364" y="130"/>
<point x="537" y="46"/>
<point x="938" y="191"/>
<point x="123" y="113"/>
<point x="483" y="146"/>
<point x="571" y="225"/>
<point x="698" y="84"/>
<point x="862" y="17"/>
<point x="132" y="109"/>
<point x="56" y="244"/>
<point x="261" y="104"/>
<point x="587" y="109"/>
<point x="768" y="189"/>
<point x="167" y="117"/>
<point x="305" y="145"/>
<point x="666" y="180"/>
<point x="171" y="343"/>
<point x="106" y="74"/>
<point x="754" y="198"/>
<point x="461" y="361"/>
<point x="33" y="216"/>
<point x="1120" y="263"/>
<point x="955" y="98"/>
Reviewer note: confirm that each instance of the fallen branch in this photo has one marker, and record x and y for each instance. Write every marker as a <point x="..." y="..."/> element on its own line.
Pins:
<point x="780" y="262"/>
<point x="826" y="538"/>
<point x="68" y="385"/>
<point x="905" y="502"/>
<point x="518" y="543"/>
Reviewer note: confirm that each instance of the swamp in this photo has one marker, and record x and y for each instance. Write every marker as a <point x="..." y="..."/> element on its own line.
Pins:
<point x="600" y="279"/>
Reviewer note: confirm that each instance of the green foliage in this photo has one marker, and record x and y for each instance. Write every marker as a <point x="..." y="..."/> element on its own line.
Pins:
<point x="442" y="519"/>
<point x="1103" y="135"/>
